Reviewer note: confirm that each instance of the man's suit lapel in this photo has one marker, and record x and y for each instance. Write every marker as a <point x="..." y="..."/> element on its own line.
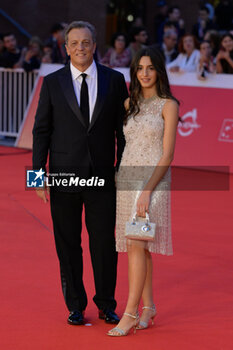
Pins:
<point x="68" y="90"/>
<point x="102" y="88"/>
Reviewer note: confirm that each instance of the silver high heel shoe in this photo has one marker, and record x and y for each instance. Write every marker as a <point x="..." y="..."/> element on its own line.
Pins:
<point x="143" y="324"/>
<point x="120" y="332"/>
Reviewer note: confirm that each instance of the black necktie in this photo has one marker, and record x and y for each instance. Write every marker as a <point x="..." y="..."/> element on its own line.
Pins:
<point x="84" y="100"/>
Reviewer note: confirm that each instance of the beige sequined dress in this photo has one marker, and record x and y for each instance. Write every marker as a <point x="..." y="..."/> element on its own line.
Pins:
<point x="144" y="148"/>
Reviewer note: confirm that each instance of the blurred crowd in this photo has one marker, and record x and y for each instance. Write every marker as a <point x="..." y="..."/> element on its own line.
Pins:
<point x="29" y="58"/>
<point x="207" y="49"/>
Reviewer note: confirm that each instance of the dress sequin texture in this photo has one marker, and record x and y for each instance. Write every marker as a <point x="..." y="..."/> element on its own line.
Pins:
<point x="144" y="148"/>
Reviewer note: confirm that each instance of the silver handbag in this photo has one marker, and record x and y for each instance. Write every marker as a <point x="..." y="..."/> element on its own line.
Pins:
<point x="140" y="230"/>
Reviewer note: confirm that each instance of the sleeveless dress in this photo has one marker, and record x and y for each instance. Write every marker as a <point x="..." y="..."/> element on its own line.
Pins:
<point x="144" y="147"/>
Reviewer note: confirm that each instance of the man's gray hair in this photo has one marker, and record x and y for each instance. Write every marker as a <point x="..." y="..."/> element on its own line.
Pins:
<point x="81" y="24"/>
<point x="169" y="33"/>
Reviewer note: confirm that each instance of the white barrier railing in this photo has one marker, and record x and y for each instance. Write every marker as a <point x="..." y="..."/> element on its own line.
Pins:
<point x="16" y="86"/>
<point x="15" y="89"/>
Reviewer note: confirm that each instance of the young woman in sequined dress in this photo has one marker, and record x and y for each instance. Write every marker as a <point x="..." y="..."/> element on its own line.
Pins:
<point x="143" y="180"/>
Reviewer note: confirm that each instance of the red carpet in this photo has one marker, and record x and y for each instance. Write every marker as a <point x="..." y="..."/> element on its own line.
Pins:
<point x="193" y="289"/>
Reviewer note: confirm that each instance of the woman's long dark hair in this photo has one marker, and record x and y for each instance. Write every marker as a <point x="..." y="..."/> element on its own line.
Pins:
<point x="162" y="83"/>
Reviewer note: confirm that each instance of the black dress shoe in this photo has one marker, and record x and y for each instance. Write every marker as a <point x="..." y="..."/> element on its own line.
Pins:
<point x="75" y="318"/>
<point x="109" y="316"/>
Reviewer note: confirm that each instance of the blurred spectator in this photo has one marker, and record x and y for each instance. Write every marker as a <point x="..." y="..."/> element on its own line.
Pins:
<point x="224" y="15"/>
<point x="47" y="54"/>
<point x="118" y="55"/>
<point x="160" y="17"/>
<point x="189" y="56"/>
<point x="33" y="55"/>
<point x="203" y="24"/>
<point x="206" y="62"/>
<point x="57" y="42"/>
<point x="169" y="46"/>
<point x="210" y="7"/>
<point x="13" y="55"/>
<point x="214" y="38"/>
<point x="138" y="40"/>
<point x="224" y="59"/>
<point x="174" y="17"/>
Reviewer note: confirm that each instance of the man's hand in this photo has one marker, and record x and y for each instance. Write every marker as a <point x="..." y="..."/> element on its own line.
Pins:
<point x="43" y="193"/>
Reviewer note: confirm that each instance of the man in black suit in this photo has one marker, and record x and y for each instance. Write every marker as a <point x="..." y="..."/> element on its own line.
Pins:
<point x="79" y="118"/>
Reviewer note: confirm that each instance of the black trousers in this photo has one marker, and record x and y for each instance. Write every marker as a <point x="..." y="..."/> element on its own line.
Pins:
<point x="100" y="211"/>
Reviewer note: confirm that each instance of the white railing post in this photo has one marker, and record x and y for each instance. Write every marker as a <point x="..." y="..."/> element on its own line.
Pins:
<point x="16" y="86"/>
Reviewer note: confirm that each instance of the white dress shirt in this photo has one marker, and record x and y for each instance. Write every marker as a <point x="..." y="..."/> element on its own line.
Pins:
<point x="186" y="64"/>
<point x="91" y="80"/>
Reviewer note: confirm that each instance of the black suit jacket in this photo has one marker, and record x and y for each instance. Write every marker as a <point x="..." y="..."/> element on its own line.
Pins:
<point x="60" y="129"/>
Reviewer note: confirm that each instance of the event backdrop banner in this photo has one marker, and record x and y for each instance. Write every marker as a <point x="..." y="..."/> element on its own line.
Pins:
<point x="205" y="136"/>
